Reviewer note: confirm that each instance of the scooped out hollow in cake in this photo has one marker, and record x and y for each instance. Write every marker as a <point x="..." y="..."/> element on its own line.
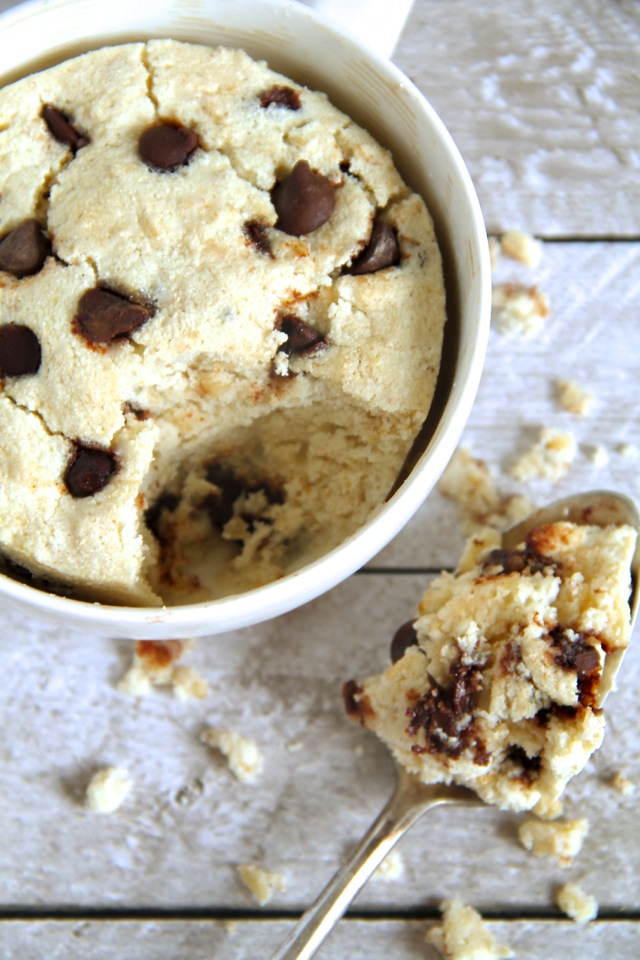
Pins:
<point x="221" y="321"/>
<point x="495" y="685"/>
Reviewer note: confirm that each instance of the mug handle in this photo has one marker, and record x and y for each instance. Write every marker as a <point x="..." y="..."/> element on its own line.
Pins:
<point x="375" y="23"/>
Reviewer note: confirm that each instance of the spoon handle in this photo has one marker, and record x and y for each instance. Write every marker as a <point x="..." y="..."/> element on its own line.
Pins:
<point x="409" y="801"/>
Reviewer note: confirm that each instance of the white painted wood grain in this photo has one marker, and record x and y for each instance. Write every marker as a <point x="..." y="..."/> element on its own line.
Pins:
<point x="542" y="100"/>
<point x="351" y="940"/>
<point x="177" y="839"/>
<point x="592" y="335"/>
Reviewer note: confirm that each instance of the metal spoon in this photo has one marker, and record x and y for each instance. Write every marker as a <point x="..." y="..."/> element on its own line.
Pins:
<point x="411" y="797"/>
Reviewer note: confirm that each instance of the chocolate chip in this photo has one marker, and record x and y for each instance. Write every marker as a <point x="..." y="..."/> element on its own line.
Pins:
<point x="531" y="767"/>
<point x="280" y="97"/>
<point x="302" y="338"/>
<point x="381" y="251"/>
<point x="303" y="200"/>
<point x="404" y="637"/>
<point x="20" y="353"/>
<point x="587" y="661"/>
<point x="138" y="412"/>
<point x="104" y="316"/>
<point x="219" y="504"/>
<point x="24" y="249"/>
<point x="572" y="652"/>
<point x="357" y="706"/>
<point x="62" y="129"/>
<point x="256" y="234"/>
<point x="89" y="470"/>
<point x="445" y="715"/>
<point x="525" y="561"/>
<point x="467" y="681"/>
<point x="153" y="516"/>
<point x="167" y="146"/>
<point x="556" y="711"/>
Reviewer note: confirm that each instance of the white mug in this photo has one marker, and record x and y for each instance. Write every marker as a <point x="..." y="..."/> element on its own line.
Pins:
<point x="315" y="51"/>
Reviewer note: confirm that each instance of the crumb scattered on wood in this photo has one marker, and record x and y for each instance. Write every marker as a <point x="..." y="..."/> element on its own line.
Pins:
<point x="580" y="906"/>
<point x="468" y="481"/>
<point x="630" y="451"/>
<point x="391" y="868"/>
<point x="597" y="454"/>
<point x="561" y="839"/>
<point x="549" y="809"/>
<point x="620" y="782"/>
<point x="243" y="755"/>
<point x="107" y="789"/>
<point x="519" y="310"/>
<point x="155" y="664"/>
<point x="521" y="246"/>
<point x="464" y="935"/>
<point x="263" y="884"/>
<point x="573" y="397"/>
<point x="550" y="457"/>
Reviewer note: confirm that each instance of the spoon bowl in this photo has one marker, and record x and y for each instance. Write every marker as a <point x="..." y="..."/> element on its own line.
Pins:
<point x="412" y="797"/>
<point x="600" y="508"/>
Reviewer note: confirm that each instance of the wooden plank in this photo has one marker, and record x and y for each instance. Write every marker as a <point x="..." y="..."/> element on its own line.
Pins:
<point x="351" y="940"/>
<point x="591" y="336"/>
<point x="177" y="840"/>
<point x="542" y="101"/>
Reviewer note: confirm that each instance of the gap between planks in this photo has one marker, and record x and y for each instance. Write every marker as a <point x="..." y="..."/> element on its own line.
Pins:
<point x="116" y="914"/>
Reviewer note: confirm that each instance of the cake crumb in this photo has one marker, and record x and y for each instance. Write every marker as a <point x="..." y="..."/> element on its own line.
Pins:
<point x="622" y="784"/>
<point x="468" y="481"/>
<point x="573" y="397"/>
<point x="598" y="455"/>
<point x="518" y="310"/>
<point x="630" y="451"/>
<point x="580" y="906"/>
<point x="550" y="456"/>
<point x="107" y="789"/>
<point x="463" y="935"/>
<point x="495" y="252"/>
<point x="188" y="684"/>
<point x="155" y="664"/>
<point x="549" y="809"/>
<point x="391" y="868"/>
<point x="561" y="839"/>
<point x="263" y="884"/>
<point x="521" y="246"/>
<point x="243" y="755"/>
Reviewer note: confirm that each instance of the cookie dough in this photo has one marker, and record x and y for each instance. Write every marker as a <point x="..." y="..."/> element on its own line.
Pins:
<point x="221" y="319"/>
<point x="495" y="685"/>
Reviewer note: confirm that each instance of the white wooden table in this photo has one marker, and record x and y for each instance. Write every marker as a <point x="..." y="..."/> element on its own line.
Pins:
<point x="543" y="101"/>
